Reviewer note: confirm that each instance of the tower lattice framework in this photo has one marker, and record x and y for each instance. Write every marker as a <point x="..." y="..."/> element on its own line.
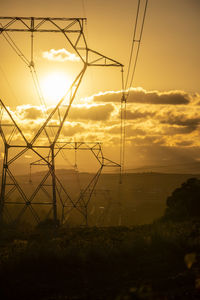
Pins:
<point x="46" y="143"/>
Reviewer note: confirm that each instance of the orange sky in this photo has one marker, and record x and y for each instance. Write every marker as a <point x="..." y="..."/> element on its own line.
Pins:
<point x="169" y="57"/>
<point x="162" y="117"/>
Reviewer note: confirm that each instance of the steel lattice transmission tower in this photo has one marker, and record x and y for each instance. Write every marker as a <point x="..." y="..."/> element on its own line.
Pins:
<point x="46" y="143"/>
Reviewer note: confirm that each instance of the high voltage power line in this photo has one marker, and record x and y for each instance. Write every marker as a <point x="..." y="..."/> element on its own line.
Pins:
<point x="127" y="84"/>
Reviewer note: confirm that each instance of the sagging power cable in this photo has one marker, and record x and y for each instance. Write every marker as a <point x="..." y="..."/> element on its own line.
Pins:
<point x="130" y="76"/>
<point x="32" y="68"/>
<point x="13" y="45"/>
<point x="28" y="63"/>
<point x="133" y="43"/>
<point x="138" y="47"/>
<point x="122" y="126"/>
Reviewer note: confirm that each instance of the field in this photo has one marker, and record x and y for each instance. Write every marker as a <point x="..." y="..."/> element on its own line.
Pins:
<point x="140" y="199"/>
<point x="156" y="261"/>
<point x="147" y="258"/>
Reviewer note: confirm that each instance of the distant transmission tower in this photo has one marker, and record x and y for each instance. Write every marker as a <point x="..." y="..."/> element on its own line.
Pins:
<point x="46" y="144"/>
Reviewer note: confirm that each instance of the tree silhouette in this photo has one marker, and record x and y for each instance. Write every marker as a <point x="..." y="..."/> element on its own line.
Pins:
<point x="184" y="201"/>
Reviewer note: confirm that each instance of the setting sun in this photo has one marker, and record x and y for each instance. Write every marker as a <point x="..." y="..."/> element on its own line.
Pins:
<point x="55" y="85"/>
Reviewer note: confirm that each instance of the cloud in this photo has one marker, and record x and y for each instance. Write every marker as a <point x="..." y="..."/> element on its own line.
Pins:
<point x="130" y="130"/>
<point x="93" y="112"/>
<point x="148" y="140"/>
<point x="181" y="120"/>
<point x="139" y="95"/>
<point x="138" y="114"/>
<point x="155" y="134"/>
<point x="72" y="129"/>
<point x="60" y="55"/>
<point x="97" y="112"/>
<point x="175" y="158"/>
<point x="179" y="130"/>
<point x="155" y="97"/>
<point x="184" y="143"/>
<point x="29" y="112"/>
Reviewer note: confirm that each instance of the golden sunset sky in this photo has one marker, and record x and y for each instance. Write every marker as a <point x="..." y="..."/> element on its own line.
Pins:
<point x="163" y="109"/>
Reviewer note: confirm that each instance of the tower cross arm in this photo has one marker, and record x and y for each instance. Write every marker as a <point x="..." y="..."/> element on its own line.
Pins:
<point x="96" y="59"/>
<point x="34" y="24"/>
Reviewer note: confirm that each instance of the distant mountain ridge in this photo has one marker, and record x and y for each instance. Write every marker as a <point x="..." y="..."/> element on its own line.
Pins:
<point x="187" y="168"/>
<point x="179" y="168"/>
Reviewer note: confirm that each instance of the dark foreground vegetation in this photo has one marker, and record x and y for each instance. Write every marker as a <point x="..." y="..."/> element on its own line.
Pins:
<point x="157" y="261"/>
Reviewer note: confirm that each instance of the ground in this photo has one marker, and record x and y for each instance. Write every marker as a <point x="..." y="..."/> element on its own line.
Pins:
<point x="156" y="261"/>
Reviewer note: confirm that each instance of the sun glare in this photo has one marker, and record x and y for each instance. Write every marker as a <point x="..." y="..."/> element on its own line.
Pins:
<point x="54" y="86"/>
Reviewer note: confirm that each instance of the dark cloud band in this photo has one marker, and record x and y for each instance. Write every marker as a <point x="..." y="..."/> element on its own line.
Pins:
<point x="141" y="96"/>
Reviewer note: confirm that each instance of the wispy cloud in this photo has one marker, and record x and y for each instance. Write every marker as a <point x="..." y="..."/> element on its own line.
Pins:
<point x="60" y="55"/>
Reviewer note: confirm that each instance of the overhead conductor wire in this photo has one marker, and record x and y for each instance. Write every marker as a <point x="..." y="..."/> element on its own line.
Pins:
<point x="138" y="47"/>
<point x="31" y="66"/>
<point x="125" y="87"/>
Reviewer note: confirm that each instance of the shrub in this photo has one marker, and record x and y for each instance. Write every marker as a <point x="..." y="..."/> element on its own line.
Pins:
<point x="184" y="201"/>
